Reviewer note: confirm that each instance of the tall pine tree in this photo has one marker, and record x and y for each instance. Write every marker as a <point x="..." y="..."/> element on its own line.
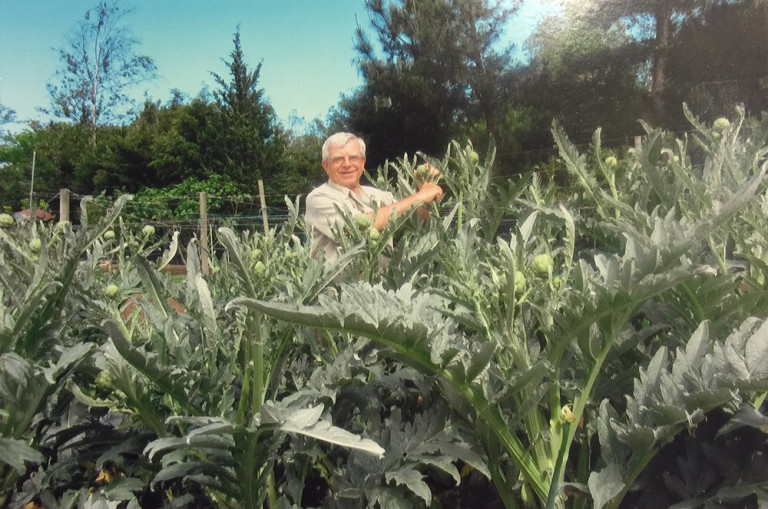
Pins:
<point x="434" y="69"/>
<point x="250" y="143"/>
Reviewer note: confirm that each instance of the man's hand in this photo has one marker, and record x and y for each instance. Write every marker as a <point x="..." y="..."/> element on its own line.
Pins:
<point x="429" y="192"/>
<point x="427" y="177"/>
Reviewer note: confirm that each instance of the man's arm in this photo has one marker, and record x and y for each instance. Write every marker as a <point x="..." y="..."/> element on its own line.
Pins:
<point x="427" y="193"/>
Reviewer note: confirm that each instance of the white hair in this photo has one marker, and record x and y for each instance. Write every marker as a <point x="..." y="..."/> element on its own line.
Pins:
<point x="339" y="140"/>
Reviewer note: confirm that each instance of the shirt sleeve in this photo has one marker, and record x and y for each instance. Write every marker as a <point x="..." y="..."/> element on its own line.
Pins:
<point x="382" y="198"/>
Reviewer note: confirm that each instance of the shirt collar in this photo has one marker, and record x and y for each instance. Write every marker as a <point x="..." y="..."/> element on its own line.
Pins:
<point x="339" y="188"/>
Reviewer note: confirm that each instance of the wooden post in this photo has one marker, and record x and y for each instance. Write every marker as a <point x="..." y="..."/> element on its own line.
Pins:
<point x="638" y="142"/>
<point x="204" y="265"/>
<point x="263" y="202"/>
<point x="64" y="205"/>
<point x="32" y="204"/>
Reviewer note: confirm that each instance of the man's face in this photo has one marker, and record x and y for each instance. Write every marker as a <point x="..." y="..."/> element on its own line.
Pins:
<point x="345" y="164"/>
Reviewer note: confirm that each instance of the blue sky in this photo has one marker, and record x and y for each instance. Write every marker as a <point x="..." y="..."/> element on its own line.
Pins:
<point x="305" y="47"/>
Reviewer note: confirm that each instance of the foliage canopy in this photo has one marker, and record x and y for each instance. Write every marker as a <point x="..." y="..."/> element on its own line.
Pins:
<point x="99" y="66"/>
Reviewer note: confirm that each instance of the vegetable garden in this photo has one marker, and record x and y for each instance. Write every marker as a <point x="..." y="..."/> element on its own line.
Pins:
<point x="605" y="346"/>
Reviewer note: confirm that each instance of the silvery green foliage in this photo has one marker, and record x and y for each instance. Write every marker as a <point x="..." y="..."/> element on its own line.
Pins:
<point x="554" y="341"/>
<point x="641" y="293"/>
<point x="403" y="319"/>
<point x="431" y="440"/>
<point x="43" y="289"/>
<point x="674" y="394"/>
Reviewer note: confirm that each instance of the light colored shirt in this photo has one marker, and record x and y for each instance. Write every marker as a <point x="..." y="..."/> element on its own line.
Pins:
<point x="321" y="216"/>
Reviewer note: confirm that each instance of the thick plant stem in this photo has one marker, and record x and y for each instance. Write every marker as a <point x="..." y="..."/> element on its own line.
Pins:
<point x="247" y="374"/>
<point x="501" y="483"/>
<point x="720" y="255"/>
<point x="583" y="469"/>
<point x="8" y="481"/>
<point x="249" y="472"/>
<point x="257" y="390"/>
<point x="758" y="401"/>
<point x="271" y="490"/>
<point x="578" y="410"/>
<point x="557" y="438"/>
<point x="581" y="402"/>
<point x="257" y="395"/>
<point x="557" y="474"/>
<point x="500" y="428"/>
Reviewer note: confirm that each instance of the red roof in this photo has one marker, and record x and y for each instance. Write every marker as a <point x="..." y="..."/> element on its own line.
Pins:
<point x="42" y="215"/>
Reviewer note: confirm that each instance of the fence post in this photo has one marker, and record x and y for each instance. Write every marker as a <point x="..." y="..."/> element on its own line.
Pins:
<point x="263" y="201"/>
<point x="32" y="204"/>
<point x="64" y="205"/>
<point x="204" y="265"/>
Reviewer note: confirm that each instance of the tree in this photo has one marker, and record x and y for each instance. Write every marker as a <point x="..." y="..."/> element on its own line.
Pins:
<point x="250" y="143"/>
<point x="7" y="115"/>
<point x="65" y="158"/>
<point x="301" y="163"/>
<point x="586" y="76"/>
<point x="729" y="65"/>
<point x="653" y="24"/>
<point x="438" y="70"/>
<point x="15" y="157"/>
<point x="184" y="140"/>
<point x="100" y="66"/>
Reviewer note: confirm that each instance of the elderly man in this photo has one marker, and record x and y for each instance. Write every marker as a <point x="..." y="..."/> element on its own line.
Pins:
<point x="344" y="162"/>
